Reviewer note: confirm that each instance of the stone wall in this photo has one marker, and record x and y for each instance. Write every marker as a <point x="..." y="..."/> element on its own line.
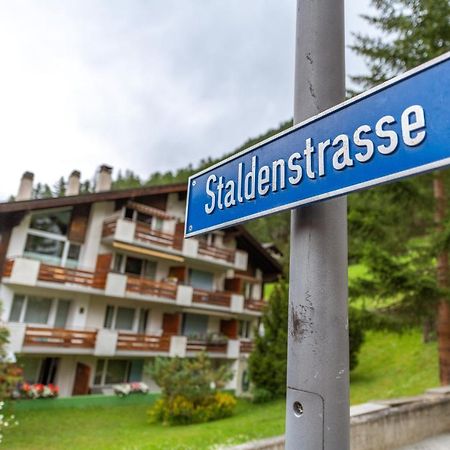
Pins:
<point x="388" y="424"/>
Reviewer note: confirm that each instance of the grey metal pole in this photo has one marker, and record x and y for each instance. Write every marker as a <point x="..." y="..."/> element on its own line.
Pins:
<point x="317" y="408"/>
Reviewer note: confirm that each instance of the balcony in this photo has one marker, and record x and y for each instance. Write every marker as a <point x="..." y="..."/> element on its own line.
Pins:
<point x="224" y="254"/>
<point x="254" y="305"/>
<point x="29" y="272"/>
<point x="222" y="299"/>
<point x="145" y="286"/>
<point x="57" y="274"/>
<point x="246" y="346"/>
<point x="128" y="231"/>
<point x="142" y="342"/>
<point x="59" y="337"/>
<point x="195" y="345"/>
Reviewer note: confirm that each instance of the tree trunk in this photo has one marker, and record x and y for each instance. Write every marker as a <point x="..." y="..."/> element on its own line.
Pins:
<point x="442" y="270"/>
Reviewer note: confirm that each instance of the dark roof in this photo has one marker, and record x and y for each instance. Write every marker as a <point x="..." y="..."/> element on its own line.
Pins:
<point x="71" y="200"/>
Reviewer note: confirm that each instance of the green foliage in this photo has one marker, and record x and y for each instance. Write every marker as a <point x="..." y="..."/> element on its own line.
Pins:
<point x="127" y="180"/>
<point x="180" y="410"/>
<point x="356" y="335"/>
<point x="189" y="390"/>
<point x="268" y="361"/>
<point x="392" y="228"/>
<point x="10" y="374"/>
<point x="414" y="31"/>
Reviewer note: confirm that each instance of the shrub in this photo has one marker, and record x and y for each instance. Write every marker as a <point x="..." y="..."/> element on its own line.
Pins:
<point x="261" y="395"/>
<point x="179" y="410"/>
<point x="189" y="391"/>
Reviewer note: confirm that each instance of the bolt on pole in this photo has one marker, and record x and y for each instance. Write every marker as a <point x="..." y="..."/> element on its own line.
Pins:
<point x="317" y="407"/>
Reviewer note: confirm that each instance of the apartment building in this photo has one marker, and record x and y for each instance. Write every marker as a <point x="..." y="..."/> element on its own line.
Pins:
<point x="93" y="286"/>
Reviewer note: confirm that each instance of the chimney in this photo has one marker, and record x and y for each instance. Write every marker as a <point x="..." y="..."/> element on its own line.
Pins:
<point x="104" y="179"/>
<point x="26" y="187"/>
<point x="73" y="185"/>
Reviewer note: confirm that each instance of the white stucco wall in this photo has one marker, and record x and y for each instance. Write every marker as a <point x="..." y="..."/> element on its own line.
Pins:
<point x="176" y="207"/>
<point x="18" y="238"/>
<point x="92" y="246"/>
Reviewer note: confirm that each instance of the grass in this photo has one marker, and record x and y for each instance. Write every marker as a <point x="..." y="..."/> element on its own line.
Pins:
<point x="390" y="366"/>
<point x="393" y="365"/>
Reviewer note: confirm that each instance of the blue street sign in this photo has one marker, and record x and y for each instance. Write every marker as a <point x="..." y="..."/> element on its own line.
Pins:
<point x="395" y="130"/>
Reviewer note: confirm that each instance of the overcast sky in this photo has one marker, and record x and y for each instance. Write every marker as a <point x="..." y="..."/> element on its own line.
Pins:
<point x="144" y="85"/>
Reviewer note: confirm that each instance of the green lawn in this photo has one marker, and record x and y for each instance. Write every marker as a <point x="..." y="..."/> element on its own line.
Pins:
<point x="390" y="366"/>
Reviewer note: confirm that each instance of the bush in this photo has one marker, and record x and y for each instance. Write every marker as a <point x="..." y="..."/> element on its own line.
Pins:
<point x="179" y="410"/>
<point x="189" y="391"/>
<point x="261" y="395"/>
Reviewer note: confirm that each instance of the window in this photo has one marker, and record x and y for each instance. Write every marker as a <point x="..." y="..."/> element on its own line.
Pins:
<point x="40" y="310"/>
<point x="112" y="371"/>
<point x="143" y="319"/>
<point x="16" y="308"/>
<point x="201" y="280"/>
<point x="62" y="311"/>
<point x="195" y="326"/>
<point x="244" y="329"/>
<point x="135" y="266"/>
<point x="120" y="318"/>
<point x="47" y="239"/>
<point x="99" y="369"/>
<point x="118" y="260"/>
<point x="109" y="317"/>
<point x="73" y="255"/>
<point x="144" y="218"/>
<point x="44" y="249"/>
<point x="116" y="371"/>
<point x="56" y="222"/>
<point x="124" y="318"/>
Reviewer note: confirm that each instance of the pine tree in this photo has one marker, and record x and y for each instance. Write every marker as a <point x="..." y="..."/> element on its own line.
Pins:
<point x="268" y="362"/>
<point x="414" y="31"/>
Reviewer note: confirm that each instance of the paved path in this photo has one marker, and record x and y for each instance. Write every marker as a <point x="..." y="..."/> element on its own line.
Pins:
<point x="441" y="442"/>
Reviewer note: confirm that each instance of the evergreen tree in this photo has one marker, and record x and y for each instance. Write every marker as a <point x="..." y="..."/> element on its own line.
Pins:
<point x="268" y="361"/>
<point x="414" y="31"/>
<point x="59" y="189"/>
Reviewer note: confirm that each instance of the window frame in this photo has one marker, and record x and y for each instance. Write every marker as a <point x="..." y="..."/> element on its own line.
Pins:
<point x="55" y="237"/>
<point x="51" y="315"/>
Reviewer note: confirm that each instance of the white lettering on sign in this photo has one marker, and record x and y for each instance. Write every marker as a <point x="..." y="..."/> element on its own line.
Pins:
<point x="273" y="178"/>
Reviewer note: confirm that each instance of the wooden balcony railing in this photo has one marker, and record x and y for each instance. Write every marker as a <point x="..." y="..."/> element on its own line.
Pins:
<point x="143" y="342"/>
<point x="58" y="274"/>
<point x="254" y="305"/>
<point x="212" y="298"/>
<point x="145" y="286"/>
<point x="7" y="268"/>
<point x="59" y="337"/>
<point x="194" y="345"/>
<point x="246" y="346"/>
<point x="225" y="254"/>
<point x="145" y="233"/>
